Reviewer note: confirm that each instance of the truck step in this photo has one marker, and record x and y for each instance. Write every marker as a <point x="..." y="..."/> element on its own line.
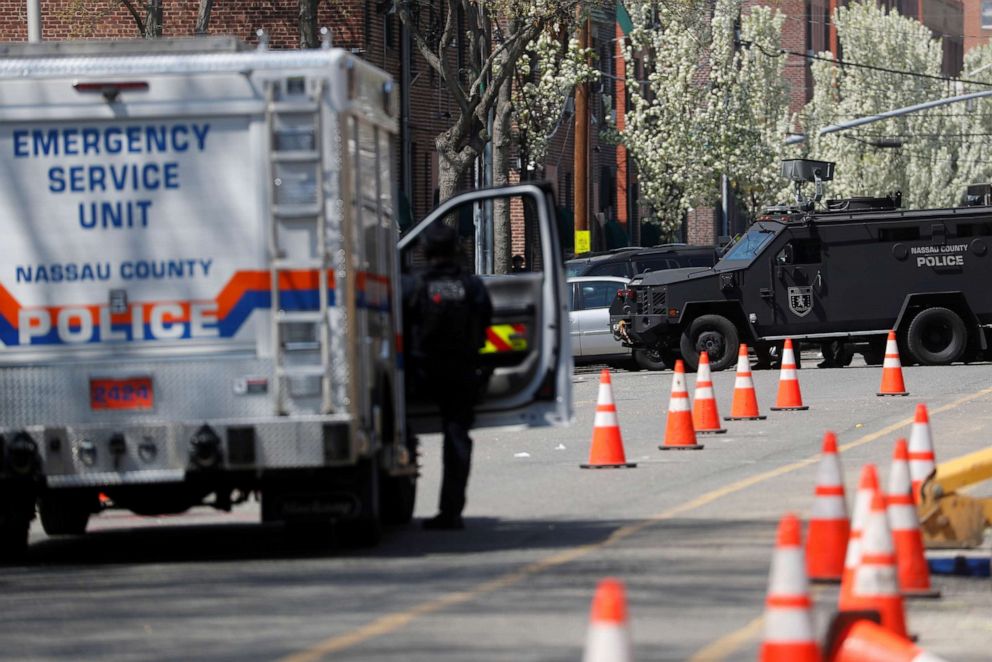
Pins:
<point x="296" y="211"/>
<point x="301" y="371"/>
<point x="299" y="317"/>
<point x="293" y="107"/>
<point x="296" y="156"/>
<point x="289" y="264"/>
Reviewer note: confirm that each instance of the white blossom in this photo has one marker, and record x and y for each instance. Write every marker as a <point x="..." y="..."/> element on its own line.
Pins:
<point x="706" y="106"/>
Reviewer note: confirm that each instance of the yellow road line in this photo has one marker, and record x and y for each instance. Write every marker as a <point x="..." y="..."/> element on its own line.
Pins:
<point x="720" y="648"/>
<point x="723" y="647"/>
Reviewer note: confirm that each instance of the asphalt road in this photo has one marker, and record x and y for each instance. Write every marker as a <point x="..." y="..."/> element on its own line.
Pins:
<point x="690" y="533"/>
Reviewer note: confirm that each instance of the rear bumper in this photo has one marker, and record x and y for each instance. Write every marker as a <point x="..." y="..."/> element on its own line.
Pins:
<point x="102" y="455"/>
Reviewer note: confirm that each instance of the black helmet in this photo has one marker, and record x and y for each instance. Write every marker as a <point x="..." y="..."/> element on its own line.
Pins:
<point x="440" y="241"/>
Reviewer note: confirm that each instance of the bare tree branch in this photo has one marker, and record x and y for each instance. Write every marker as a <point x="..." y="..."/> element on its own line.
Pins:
<point x="203" y="16"/>
<point x="138" y="21"/>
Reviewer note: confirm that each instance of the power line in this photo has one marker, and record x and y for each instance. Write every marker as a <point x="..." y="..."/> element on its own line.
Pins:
<point x="870" y="67"/>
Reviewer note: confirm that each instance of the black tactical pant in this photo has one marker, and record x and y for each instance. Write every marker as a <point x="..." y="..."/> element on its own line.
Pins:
<point x="456" y="399"/>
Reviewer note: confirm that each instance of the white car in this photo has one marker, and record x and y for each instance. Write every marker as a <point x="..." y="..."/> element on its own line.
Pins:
<point x="589" y="299"/>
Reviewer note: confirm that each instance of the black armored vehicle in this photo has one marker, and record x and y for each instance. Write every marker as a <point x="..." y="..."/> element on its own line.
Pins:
<point x="845" y="273"/>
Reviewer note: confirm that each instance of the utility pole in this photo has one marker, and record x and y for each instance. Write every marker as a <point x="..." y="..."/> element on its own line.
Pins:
<point x="34" y="21"/>
<point x="581" y="203"/>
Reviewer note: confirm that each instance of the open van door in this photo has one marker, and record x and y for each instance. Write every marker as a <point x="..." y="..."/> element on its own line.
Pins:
<point x="527" y="354"/>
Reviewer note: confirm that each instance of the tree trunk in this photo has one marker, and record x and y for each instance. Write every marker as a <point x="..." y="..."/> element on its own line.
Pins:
<point x="203" y="16"/>
<point x="453" y="162"/>
<point x="308" y="24"/>
<point x="153" y="20"/>
<point x="502" y="145"/>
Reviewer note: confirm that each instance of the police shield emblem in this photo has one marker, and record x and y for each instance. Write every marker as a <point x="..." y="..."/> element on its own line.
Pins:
<point x="801" y="300"/>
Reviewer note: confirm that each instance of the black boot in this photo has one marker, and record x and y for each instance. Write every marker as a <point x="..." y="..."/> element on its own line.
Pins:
<point x="444" y="522"/>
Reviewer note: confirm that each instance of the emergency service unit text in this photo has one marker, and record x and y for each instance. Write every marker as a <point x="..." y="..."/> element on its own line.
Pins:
<point x="115" y="190"/>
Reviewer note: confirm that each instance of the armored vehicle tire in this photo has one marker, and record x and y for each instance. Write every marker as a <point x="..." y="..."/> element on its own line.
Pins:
<point x="653" y="359"/>
<point x="937" y="336"/>
<point x="64" y="515"/>
<point x="714" y="334"/>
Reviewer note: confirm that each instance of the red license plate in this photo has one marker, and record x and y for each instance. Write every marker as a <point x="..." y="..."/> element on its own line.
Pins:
<point x="129" y="393"/>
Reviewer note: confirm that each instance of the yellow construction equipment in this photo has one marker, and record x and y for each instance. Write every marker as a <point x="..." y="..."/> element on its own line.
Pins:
<point x="951" y="519"/>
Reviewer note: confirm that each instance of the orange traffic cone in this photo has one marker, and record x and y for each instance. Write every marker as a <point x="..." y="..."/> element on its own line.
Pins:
<point x="788" y="620"/>
<point x="679" y="433"/>
<point x="875" y="586"/>
<point x="606" y="451"/>
<point x="745" y="404"/>
<point x="870" y="641"/>
<point x="789" y="396"/>
<point x="867" y="486"/>
<point x="892" y="383"/>
<point x="921" y="456"/>
<point x="829" y="527"/>
<point x="608" y="639"/>
<point x="705" y="417"/>
<point x="914" y="573"/>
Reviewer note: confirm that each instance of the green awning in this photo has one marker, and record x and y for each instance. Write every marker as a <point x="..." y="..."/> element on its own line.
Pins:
<point x="623" y="19"/>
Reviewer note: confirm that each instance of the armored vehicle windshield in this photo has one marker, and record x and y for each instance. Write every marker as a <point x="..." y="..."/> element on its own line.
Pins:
<point x="752" y="243"/>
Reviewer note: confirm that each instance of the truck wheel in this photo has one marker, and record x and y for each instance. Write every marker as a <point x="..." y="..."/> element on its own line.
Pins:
<point x="64" y="514"/>
<point x="714" y="334"/>
<point x="651" y="359"/>
<point x="398" y="495"/>
<point x="365" y="529"/>
<point x="937" y="336"/>
<point x="15" y="520"/>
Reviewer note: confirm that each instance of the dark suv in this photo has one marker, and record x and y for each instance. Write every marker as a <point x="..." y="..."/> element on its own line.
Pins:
<point x="633" y="260"/>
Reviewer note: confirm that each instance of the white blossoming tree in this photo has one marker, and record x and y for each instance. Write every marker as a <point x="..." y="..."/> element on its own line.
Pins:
<point x="929" y="156"/>
<point x="547" y="77"/>
<point x="708" y="106"/>
<point x="971" y="125"/>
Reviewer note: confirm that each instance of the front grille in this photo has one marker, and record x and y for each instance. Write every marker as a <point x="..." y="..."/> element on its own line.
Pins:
<point x="651" y="301"/>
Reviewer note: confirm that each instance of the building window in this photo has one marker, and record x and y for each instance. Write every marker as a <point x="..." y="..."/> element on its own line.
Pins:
<point x="389" y="30"/>
<point x="987" y="14"/>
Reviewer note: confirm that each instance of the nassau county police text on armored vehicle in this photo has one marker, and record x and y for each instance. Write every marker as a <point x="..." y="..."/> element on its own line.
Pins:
<point x="849" y="272"/>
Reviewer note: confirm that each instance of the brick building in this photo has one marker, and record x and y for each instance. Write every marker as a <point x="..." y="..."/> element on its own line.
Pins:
<point x="977" y="23"/>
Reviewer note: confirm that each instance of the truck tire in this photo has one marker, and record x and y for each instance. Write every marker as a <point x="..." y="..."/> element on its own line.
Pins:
<point x="15" y="521"/>
<point x="398" y="495"/>
<point x="652" y="359"/>
<point x="715" y="334"/>
<point x="937" y="336"/>
<point x="64" y="515"/>
<point x="365" y="528"/>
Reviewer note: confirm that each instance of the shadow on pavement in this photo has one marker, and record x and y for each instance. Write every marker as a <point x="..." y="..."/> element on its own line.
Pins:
<point x="184" y="543"/>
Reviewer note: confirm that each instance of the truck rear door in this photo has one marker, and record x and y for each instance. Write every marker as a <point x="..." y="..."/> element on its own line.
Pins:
<point x="528" y="352"/>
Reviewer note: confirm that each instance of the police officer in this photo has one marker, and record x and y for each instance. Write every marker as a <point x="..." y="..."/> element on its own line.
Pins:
<point x="447" y="311"/>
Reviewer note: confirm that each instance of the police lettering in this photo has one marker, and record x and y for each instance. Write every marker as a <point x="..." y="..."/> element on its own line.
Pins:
<point x="940" y="261"/>
<point x="155" y="321"/>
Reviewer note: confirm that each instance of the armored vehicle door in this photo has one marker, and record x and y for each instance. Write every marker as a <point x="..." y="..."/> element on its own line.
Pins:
<point x="527" y="357"/>
<point x="799" y="283"/>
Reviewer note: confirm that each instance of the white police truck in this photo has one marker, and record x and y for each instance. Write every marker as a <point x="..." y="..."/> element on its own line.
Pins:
<point x="199" y="289"/>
